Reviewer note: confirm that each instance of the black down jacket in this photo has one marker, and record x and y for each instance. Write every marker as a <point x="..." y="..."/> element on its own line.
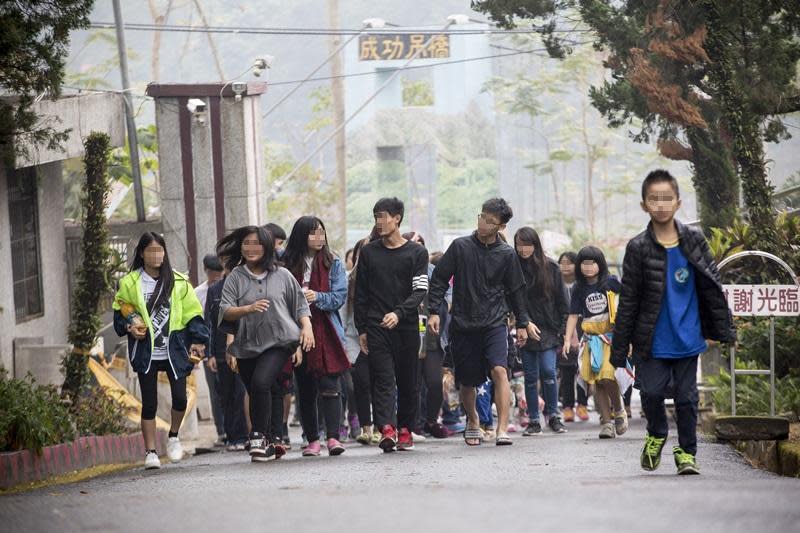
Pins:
<point x="643" y="285"/>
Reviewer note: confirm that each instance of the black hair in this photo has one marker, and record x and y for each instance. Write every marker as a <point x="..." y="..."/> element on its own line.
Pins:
<point x="499" y="208"/>
<point x="436" y="257"/>
<point x="230" y="247"/>
<point x="276" y="231"/>
<point x="394" y="206"/>
<point x="660" y="176"/>
<point x="537" y="265"/>
<point x="572" y="256"/>
<point x="374" y="235"/>
<point x="166" y="278"/>
<point x="212" y="262"/>
<point x="296" y="248"/>
<point x="591" y="253"/>
<point x="415" y="237"/>
<point x="351" y="280"/>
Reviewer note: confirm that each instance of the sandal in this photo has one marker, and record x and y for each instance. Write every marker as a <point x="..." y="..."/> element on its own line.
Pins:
<point x="473" y="436"/>
<point x="503" y="440"/>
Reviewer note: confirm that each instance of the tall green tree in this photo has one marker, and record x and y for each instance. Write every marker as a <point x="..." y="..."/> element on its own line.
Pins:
<point x="709" y="80"/>
<point x="34" y="43"/>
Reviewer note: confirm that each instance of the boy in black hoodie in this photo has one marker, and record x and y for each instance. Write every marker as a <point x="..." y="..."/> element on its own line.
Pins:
<point x="671" y="301"/>
<point x="485" y="272"/>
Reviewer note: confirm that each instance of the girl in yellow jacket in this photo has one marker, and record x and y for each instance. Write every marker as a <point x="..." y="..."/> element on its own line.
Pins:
<point x="160" y="314"/>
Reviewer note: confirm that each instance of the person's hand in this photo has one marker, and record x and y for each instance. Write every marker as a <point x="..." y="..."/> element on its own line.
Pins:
<point x="311" y="296"/>
<point x="211" y="363"/>
<point x="390" y="321"/>
<point x="522" y="336"/>
<point x="297" y="357"/>
<point x="196" y="353"/>
<point x="137" y="333"/>
<point x="258" y="307"/>
<point x="307" y="338"/>
<point x="362" y="342"/>
<point x="433" y="324"/>
<point x="566" y="348"/>
<point x="533" y="332"/>
<point x="233" y="364"/>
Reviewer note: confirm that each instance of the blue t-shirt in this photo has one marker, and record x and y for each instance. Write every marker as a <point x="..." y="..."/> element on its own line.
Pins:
<point x="678" y="332"/>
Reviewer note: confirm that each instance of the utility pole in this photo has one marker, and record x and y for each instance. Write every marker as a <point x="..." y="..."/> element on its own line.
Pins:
<point x="133" y="142"/>
<point x="340" y="142"/>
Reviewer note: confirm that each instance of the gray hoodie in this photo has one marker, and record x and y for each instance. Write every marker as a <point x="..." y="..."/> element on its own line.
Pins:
<point x="278" y="325"/>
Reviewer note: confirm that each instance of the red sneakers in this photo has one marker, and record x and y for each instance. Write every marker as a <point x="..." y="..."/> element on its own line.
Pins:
<point x="405" y="441"/>
<point x="388" y="438"/>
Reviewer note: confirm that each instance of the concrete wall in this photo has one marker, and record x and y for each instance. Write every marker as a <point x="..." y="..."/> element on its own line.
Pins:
<point x="82" y="114"/>
<point x="52" y="326"/>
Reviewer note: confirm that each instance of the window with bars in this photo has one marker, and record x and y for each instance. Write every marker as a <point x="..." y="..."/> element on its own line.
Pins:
<point x="26" y="270"/>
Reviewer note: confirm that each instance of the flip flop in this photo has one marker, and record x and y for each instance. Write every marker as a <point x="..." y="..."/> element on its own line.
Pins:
<point x="503" y="440"/>
<point x="473" y="434"/>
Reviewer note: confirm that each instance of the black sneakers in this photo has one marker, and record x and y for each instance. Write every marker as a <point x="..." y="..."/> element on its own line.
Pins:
<point x="534" y="428"/>
<point x="260" y="449"/>
<point x="556" y="425"/>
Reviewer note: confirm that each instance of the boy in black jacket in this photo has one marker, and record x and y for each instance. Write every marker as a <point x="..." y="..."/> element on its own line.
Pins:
<point x="487" y="277"/>
<point x="391" y="282"/>
<point x="671" y="301"/>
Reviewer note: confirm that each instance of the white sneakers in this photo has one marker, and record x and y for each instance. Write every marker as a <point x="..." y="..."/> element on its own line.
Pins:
<point x="174" y="449"/>
<point x="174" y="452"/>
<point x="151" y="461"/>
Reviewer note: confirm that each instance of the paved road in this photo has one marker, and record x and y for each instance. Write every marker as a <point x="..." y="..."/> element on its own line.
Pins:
<point x="571" y="482"/>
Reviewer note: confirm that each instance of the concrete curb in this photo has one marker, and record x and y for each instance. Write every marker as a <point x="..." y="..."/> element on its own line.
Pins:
<point x="26" y="466"/>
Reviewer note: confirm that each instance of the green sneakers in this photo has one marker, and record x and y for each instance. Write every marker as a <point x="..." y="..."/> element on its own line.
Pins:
<point x="686" y="463"/>
<point x="651" y="453"/>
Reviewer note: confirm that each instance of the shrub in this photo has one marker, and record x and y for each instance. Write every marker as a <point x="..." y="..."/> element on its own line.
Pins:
<point x="752" y="392"/>
<point x="31" y="416"/>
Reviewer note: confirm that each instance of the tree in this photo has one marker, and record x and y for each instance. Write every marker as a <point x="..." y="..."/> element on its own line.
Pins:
<point x="34" y="43"/>
<point x="708" y="79"/>
<point x="93" y="277"/>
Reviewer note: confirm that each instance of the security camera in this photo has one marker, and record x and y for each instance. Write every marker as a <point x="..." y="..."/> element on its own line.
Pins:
<point x="239" y="88"/>
<point x="196" y="106"/>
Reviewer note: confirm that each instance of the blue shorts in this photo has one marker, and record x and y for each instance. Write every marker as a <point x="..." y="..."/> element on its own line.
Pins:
<point x="476" y="353"/>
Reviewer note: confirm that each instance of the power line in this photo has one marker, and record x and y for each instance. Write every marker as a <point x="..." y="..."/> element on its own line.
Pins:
<point x="250" y="30"/>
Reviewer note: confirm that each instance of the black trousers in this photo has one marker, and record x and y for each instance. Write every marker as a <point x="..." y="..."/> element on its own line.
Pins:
<point x="660" y="378"/>
<point x="326" y="389"/>
<point x="567" y="387"/>
<point x="148" y="383"/>
<point x="393" y="365"/>
<point x="260" y="376"/>
<point x="362" y="390"/>
<point x="231" y="393"/>
<point x="432" y="379"/>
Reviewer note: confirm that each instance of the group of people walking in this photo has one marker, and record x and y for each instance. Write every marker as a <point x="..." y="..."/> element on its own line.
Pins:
<point x="374" y="335"/>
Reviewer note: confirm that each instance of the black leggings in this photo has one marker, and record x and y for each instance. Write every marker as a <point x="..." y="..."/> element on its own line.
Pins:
<point x="362" y="390"/>
<point x="327" y="389"/>
<point x="567" y="387"/>
<point x="432" y="377"/>
<point x="260" y="376"/>
<point x="149" y="384"/>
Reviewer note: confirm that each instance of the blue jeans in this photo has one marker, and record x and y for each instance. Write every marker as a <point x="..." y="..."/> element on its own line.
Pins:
<point x="536" y="365"/>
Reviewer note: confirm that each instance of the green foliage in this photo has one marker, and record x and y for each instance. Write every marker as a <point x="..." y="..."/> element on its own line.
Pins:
<point x="753" y="334"/>
<point x="752" y="392"/>
<point x="99" y="414"/>
<point x="34" y="42"/>
<point x="31" y="416"/>
<point x="417" y="93"/>
<point x="94" y="275"/>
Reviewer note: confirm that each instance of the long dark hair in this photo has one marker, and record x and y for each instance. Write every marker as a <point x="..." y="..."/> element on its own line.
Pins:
<point x="351" y="279"/>
<point x="230" y="247"/>
<point x="296" y="249"/>
<point x="536" y="266"/>
<point x="166" y="279"/>
<point x="591" y="253"/>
